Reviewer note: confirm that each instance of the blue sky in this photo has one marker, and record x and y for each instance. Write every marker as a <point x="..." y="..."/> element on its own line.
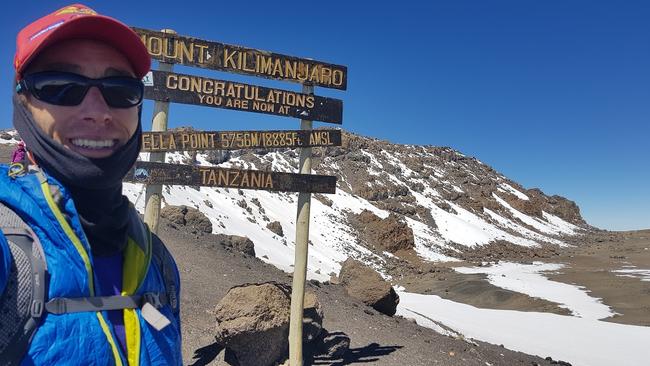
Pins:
<point x="553" y="94"/>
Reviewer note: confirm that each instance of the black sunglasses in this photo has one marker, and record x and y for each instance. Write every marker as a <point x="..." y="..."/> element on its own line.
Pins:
<point x="69" y="89"/>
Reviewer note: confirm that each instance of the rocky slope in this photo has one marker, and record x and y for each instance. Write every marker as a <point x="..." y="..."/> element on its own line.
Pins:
<point x="393" y="203"/>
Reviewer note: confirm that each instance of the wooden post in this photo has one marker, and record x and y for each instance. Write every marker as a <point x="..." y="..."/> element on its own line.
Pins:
<point x="301" y="253"/>
<point x="153" y="193"/>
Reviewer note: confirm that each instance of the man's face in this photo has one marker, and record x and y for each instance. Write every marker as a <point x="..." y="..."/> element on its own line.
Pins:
<point x="91" y="128"/>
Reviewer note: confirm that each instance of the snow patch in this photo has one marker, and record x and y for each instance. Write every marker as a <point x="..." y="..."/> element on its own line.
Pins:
<point x="642" y="274"/>
<point x="580" y="341"/>
<point x="527" y="279"/>
<point x="510" y="189"/>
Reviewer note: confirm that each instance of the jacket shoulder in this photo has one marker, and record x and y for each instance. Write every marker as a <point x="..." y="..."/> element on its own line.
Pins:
<point x="5" y="263"/>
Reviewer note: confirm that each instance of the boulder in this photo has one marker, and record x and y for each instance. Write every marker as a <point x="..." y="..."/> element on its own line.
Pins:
<point x="364" y="283"/>
<point x="389" y="234"/>
<point x="238" y="243"/>
<point x="175" y="214"/>
<point x="187" y="216"/>
<point x="253" y="322"/>
<point x="276" y="228"/>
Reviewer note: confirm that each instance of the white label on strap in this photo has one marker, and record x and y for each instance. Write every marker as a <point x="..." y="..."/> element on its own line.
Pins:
<point x="154" y="317"/>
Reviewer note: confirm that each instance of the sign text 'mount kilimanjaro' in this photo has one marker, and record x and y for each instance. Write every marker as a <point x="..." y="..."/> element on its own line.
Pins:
<point x="230" y="140"/>
<point x="189" y="89"/>
<point x="190" y="51"/>
<point x="189" y="175"/>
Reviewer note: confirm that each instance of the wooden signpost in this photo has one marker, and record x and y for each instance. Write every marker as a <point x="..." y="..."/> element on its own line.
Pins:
<point x="198" y="90"/>
<point x="189" y="51"/>
<point x="207" y="176"/>
<point x="233" y="140"/>
<point x="165" y="86"/>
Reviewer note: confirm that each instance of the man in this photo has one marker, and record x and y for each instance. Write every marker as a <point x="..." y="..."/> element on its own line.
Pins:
<point x="110" y="292"/>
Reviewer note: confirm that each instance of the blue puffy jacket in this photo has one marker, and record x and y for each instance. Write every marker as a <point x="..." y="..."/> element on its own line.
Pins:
<point x="87" y="338"/>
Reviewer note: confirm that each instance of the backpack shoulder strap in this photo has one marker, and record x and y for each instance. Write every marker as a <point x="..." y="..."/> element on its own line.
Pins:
<point x="165" y="263"/>
<point x="22" y="302"/>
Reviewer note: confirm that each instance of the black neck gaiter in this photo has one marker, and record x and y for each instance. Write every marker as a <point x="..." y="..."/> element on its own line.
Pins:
<point x="95" y="184"/>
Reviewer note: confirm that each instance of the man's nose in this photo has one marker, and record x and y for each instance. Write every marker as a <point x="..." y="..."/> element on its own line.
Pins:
<point x="94" y="107"/>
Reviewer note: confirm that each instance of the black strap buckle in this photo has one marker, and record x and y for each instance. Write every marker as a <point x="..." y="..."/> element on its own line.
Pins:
<point x="152" y="298"/>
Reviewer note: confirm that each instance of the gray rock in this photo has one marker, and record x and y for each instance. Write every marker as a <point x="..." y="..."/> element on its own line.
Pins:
<point x="276" y="228"/>
<point x="239" y="243"/>
<point x="187" y="216"/>
<point x="253" y="322"/>
<point x="365" y="284"/>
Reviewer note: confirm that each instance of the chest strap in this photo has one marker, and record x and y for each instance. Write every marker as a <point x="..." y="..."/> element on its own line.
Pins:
<point x="64" y="305"/>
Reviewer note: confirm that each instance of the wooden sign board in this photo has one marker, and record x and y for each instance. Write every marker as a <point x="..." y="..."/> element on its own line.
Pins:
<point x="198" y="90"/>
<point x="189" y="175"/>
<point x="232" y="140"/>
<point x="189" y="51"/>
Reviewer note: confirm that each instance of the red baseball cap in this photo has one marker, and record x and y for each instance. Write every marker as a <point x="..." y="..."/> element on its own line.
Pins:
<point x="80" y="22"/>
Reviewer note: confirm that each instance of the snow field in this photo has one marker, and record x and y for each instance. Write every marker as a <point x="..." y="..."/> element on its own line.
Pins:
<point x="580" y="341"/>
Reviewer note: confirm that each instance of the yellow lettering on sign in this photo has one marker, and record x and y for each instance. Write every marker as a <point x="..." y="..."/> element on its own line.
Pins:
<point x="219" y="88"/>
<point x="300" y="100"/>
<point x="146" y="141"/>
<point x="244" y="180"/>
<point x="269" y="181"/>
<point x="256" y="180"/>
<point x="263" y="107"/>
<point x="208" y="86"/>
<point x="303" y="72"/>
<point x="195" y="85"/>
<point x="264" y="65"/>
<point x="326" y="75"/>
<point x="337" y="77"/>
<point x="277" y="68"/>
<point x="202" y="52"/>
<point x="165" y="49"/>
<point x="187" y="51"/>
<point x="171" y="142"/>
<point x="228" y="57"/>
<point x="244" y="63"/>
<point x="185" y="140"/>
<point x="154" y="46"/>
<point x="231" y="91"/>
<point x="314" y="139"/>
<point x="223" y="178"/>
<point x="183" y="83"/>
<point x="234" y="178"/>
<point x="291" y="68"/>
<point x="172" y="81"/>
<point x="314" y="77"/>
<point x="208" y="177"/>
